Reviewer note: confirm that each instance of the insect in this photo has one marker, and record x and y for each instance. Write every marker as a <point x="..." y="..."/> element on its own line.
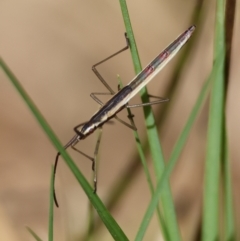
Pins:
<point x="120" y="100"/>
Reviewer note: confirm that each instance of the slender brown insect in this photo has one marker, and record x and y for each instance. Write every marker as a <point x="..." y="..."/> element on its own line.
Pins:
<point x="120" y="100"/>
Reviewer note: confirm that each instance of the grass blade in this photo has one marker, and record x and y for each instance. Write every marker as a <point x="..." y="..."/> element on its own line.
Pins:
<point x="145" y="167"/>
<point x="210" y="230"/>
<point x="50" y="219"/>
<point x="229" y="232"/>
<point x="155" y="147"/>
<point x="33" y="234"/>
<point x="106" y="217"/>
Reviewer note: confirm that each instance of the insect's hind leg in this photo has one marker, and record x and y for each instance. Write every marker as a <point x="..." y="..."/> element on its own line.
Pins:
<point x="156" y="102"/>
<point x="104" y="60"/>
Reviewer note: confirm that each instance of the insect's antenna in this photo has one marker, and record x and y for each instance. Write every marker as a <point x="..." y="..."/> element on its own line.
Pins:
<point x="72" y="142"/>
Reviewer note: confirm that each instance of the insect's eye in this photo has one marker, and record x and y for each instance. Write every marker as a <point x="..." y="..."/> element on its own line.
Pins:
<point x="90" y="129"/>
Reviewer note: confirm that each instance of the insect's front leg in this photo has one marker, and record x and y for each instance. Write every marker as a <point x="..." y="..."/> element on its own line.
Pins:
<point x="104" y="60"/>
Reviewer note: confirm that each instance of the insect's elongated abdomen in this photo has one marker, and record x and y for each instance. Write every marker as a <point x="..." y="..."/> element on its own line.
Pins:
<point x="156" y="65"/>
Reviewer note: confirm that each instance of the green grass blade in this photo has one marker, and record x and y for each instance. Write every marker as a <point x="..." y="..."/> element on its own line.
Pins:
<point x="91" y="226"/>
<point x="33" y="234"/>
<point x="51" y="208"/>
<point x="155" y="147"/>
<point x="106" y="217"/>
<point x="146" y="171"/>
<point x="175" y="155"/>
<point x="145" y="166"/>
<point x="210" y="230"/>
<point x="229" y="231"/>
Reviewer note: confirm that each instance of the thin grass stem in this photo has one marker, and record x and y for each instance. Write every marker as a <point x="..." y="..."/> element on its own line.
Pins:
<point x="154" y="143"/>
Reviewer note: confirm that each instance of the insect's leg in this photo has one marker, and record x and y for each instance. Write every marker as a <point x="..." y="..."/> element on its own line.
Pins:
<point x="130" y="117"/>
<point x="104" y="60"/>
<point x="160" y="100"/>
<point x="94" y="166"/>
<point x="93" y="95"/>
<point x="82" y="153"/>
<point x="131" y="126"/>
<point x="92" y="159"/>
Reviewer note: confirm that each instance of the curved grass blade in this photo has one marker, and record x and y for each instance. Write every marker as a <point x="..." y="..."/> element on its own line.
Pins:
<point x="106" y="217"/>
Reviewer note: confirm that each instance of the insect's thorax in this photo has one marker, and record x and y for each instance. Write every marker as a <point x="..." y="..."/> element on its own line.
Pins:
<point x="107" y="111"/>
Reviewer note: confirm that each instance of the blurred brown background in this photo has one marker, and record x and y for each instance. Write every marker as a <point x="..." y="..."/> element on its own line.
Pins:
<point x="50" y="46"/>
